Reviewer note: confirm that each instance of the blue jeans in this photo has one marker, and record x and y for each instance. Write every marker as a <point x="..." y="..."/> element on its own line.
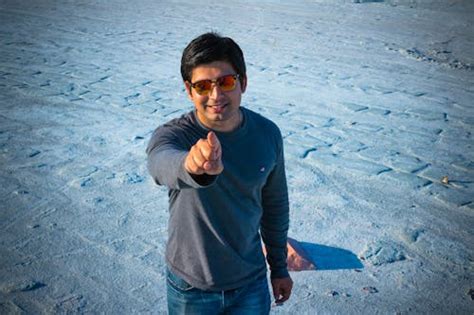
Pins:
<point x="251" y="299"/>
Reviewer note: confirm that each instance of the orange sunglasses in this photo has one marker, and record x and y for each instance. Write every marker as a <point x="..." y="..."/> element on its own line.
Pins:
<point x="226" y="83"/>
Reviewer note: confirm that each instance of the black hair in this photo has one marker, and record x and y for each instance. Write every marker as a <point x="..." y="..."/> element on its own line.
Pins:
<point x="210" y="47"/>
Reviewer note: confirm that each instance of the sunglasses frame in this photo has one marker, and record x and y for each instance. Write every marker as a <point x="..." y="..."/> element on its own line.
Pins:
<point x="215" y="81"/>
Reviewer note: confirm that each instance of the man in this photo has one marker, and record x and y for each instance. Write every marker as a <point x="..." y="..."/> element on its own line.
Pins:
<point x="224" y="167"/>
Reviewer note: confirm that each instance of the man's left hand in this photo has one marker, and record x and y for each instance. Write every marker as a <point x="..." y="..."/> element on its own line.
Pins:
<point x="282" y="289"/>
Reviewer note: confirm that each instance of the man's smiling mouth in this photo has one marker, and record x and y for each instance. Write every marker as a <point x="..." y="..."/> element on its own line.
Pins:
<point x="218" y="108"/>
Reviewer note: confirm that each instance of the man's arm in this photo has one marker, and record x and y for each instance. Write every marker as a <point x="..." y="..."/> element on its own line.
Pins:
<point x="274" y="228"/>
<point x="177" y="167"/>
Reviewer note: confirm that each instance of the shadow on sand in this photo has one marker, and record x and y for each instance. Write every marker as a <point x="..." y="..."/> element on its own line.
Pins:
<point x="331" y="258"/>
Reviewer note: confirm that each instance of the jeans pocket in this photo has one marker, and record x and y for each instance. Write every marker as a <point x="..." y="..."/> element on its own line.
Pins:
<point x="178" y="283"/>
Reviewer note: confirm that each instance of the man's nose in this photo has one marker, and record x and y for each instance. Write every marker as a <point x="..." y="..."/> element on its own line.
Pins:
<point x="215" y="91"/>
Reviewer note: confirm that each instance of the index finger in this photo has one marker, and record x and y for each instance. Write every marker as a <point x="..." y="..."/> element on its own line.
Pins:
<point x="213" y="140"/>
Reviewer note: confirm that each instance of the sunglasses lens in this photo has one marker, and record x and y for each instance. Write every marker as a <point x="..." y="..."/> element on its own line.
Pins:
<point x="227" y="83"/>
<point x="203" y="87"/>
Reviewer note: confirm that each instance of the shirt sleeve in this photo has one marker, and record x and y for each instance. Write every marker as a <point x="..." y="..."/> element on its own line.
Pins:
<point x="275" y="219"/>
<point x="166" y="153"/>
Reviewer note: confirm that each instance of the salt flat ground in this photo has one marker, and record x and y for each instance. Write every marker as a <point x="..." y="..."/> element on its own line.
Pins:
<point x="375" y="102"/>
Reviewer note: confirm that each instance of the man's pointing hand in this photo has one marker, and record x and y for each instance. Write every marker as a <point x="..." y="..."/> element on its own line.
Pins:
<point x="205" y="157"/>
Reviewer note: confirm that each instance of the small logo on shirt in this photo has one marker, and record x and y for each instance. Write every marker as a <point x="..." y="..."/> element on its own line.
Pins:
<point x="262" y="169"/>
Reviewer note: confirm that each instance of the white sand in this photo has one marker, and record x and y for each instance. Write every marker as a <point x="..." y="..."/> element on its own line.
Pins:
<point x="375" y="101"/>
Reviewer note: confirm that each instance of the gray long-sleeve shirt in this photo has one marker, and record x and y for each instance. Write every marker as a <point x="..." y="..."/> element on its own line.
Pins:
<point x="213" y="233"/>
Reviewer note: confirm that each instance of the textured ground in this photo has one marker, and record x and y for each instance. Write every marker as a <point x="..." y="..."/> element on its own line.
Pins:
<point x="375" y="101"/>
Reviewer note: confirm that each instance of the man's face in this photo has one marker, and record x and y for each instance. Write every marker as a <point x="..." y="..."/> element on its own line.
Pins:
<point x="218" y="110"/>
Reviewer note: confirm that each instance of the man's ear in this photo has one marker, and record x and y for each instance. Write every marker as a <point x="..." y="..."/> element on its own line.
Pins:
<point x="243" y="84"/>
<point x="188" y="88"/>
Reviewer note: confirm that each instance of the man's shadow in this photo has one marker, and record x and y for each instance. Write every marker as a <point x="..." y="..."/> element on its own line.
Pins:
<point x="331" y="258"/>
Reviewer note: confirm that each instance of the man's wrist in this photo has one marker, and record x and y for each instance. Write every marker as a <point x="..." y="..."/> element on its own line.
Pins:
<point x="279" y="273"/>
